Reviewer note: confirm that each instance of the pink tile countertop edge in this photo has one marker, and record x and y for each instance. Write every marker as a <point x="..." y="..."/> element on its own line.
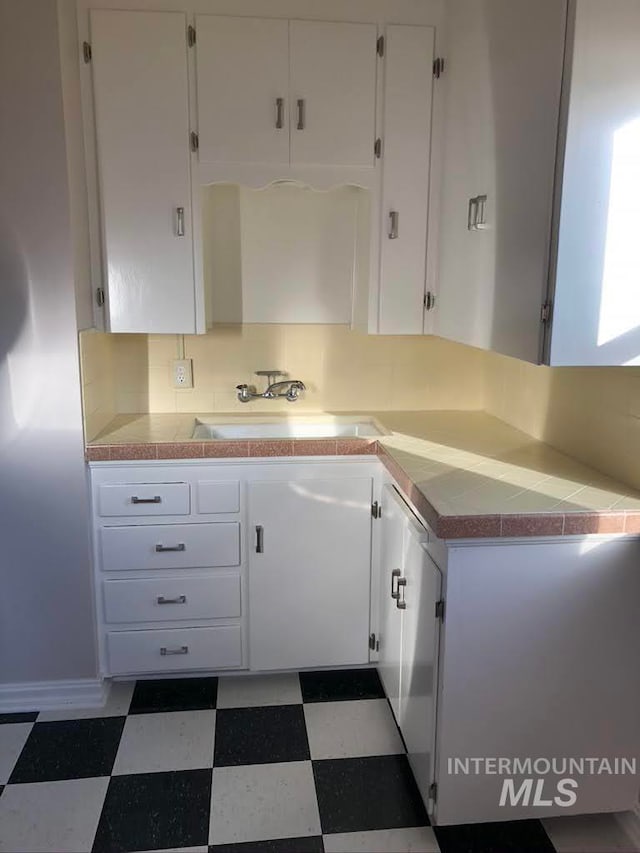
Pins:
<point x="444" y="526"/>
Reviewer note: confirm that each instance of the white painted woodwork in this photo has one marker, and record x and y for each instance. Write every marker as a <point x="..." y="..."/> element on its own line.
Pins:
<point x="215" y="496"/>
<point x="419" y="657"/>
<point x="409" y="636"/>
<point x="406" y="142"/>
<point x="132" y="499"/>
<point x="242" y="69"/>
<point x="217" y="647"/>
<point x="161" y="599"/>
<point x="503" y="73"/>
<point x="596" y="316"/>
<point x="390" y="639"/>
<point x="540" y="660"/>
<point x="205" y="545"/>
<point x="141" y="97"/>
<point x="333" y="69"/>
<point x="309" y="588"/>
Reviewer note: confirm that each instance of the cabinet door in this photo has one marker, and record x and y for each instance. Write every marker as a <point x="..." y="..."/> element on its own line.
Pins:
<point x="333" y="85"/>
<point x="503" y="85"/>
<point x="596" y="306"/>
<point x="392" y="521"/>
<point x="309" y="572"/>
<point x="408" y="85"/>
<point x="243" y="89"/>
<point x="142" y="127"/>
<point x="420" y="634"/>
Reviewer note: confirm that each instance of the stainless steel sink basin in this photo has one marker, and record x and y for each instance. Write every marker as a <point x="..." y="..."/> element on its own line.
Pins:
<point x="336" y="428"/>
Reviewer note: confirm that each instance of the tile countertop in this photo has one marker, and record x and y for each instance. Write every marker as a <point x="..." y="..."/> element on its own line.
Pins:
<point x="467" y="473"/>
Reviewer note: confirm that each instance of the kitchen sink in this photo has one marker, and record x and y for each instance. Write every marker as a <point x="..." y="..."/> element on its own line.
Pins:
<point x="336" y="428"/>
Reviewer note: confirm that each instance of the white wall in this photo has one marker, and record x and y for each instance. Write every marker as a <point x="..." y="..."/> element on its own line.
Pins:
<point x="46" y="629"/>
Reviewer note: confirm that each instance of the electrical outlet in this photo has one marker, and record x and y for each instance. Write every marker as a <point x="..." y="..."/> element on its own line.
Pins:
<point x="182" y="372"/>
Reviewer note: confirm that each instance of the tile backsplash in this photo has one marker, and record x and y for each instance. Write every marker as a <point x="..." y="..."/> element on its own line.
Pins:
<point x="343" y="370"/>
<point x="590" y="413"/>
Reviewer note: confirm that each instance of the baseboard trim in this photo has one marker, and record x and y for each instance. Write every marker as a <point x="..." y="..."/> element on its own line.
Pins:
<point x="630" y="824"/>
<point x="52" y="695"/>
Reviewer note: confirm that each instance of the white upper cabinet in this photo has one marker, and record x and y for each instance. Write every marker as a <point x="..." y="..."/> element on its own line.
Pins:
<point x="141" y="96"/>
<point x="274" y="91"/>
<point x="596" y="311"/>
<point x="243" y="89"/>
<point x="503" y="73"/>
<point x="333" y="92"/>
<point x="406" y="140"/>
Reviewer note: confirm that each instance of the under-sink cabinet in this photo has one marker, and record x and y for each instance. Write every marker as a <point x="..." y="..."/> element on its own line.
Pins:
<point x="256" y="566"/>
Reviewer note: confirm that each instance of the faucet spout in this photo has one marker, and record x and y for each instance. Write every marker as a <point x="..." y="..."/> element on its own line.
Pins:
<point x="290" y="389"/>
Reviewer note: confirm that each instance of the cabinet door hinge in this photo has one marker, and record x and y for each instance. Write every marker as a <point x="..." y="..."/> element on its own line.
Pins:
<point x="377" y="148"/>
<point x="374" y="643"/>
<point x="433" y="791"/>
<point x="545" y="313"/>
<point x="380" y="46"/>
<point x="86" y="51"/>
<point x="100" y="296"/>
<point x="191" y="35"/>
<point x="438" y="67"/>
<point x="195" y="140"/>
<point x="429" y="301"/>
<point x="440" y="610"/>
<point x="376" y="509"/>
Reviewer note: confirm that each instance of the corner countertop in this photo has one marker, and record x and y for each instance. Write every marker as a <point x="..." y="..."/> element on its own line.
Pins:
<point x="468" y="474"/>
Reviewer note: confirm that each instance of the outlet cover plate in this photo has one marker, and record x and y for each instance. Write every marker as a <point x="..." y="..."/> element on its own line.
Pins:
<point x="182" y="373"/>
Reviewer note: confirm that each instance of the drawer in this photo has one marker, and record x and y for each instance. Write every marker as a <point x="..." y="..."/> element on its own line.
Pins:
<point x="144" y="499"/>
<point x="218" y="496"/>
<point x="167" y="598"/>
<point x="170" y="546"/>
<point x="174" y="649"/>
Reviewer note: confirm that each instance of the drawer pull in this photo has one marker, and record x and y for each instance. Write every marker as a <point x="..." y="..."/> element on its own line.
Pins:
<point x="154" y="500"/>
<point x="179" y="599"/>
<point x="161" y="549"/>
<point x="259" y="539"/>
<point x="181" y="650"/>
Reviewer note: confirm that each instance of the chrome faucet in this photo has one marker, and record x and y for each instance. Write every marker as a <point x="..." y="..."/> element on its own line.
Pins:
<point x="290" y="389"/>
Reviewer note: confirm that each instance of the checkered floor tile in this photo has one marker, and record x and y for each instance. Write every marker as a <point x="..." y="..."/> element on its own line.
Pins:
<point x="309" y="762"/>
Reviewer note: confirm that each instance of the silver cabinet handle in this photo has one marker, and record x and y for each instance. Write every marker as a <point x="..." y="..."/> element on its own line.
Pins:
<point x="394" y="224"/>
<point x="394" y="592"/>
<point x="259" y="539"/>
<point x="180" y="221"/>
<point x="179" y="547"/>
<point x="156" y="499"/>
<point x="472" y="214"/>
<point x="279" y="113"/>
<point x="181" y="650"/>
<point x="401" y="604"/>
<point x="481" y="219"/>
<point x="476" y="213"/>
<point x="179" y="599"/>
<point x="301" y="114"/>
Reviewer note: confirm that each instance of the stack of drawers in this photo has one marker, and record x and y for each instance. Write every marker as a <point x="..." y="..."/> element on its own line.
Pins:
<point x="169" y="577"/>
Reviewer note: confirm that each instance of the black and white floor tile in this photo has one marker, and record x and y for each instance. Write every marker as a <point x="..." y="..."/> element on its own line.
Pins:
<point x="263" y="764"/>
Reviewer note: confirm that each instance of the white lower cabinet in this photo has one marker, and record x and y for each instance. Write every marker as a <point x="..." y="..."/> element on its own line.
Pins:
<point x="259" y="566"/>
<point x="309" y="572"/>
<point x="409" y="632"/>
